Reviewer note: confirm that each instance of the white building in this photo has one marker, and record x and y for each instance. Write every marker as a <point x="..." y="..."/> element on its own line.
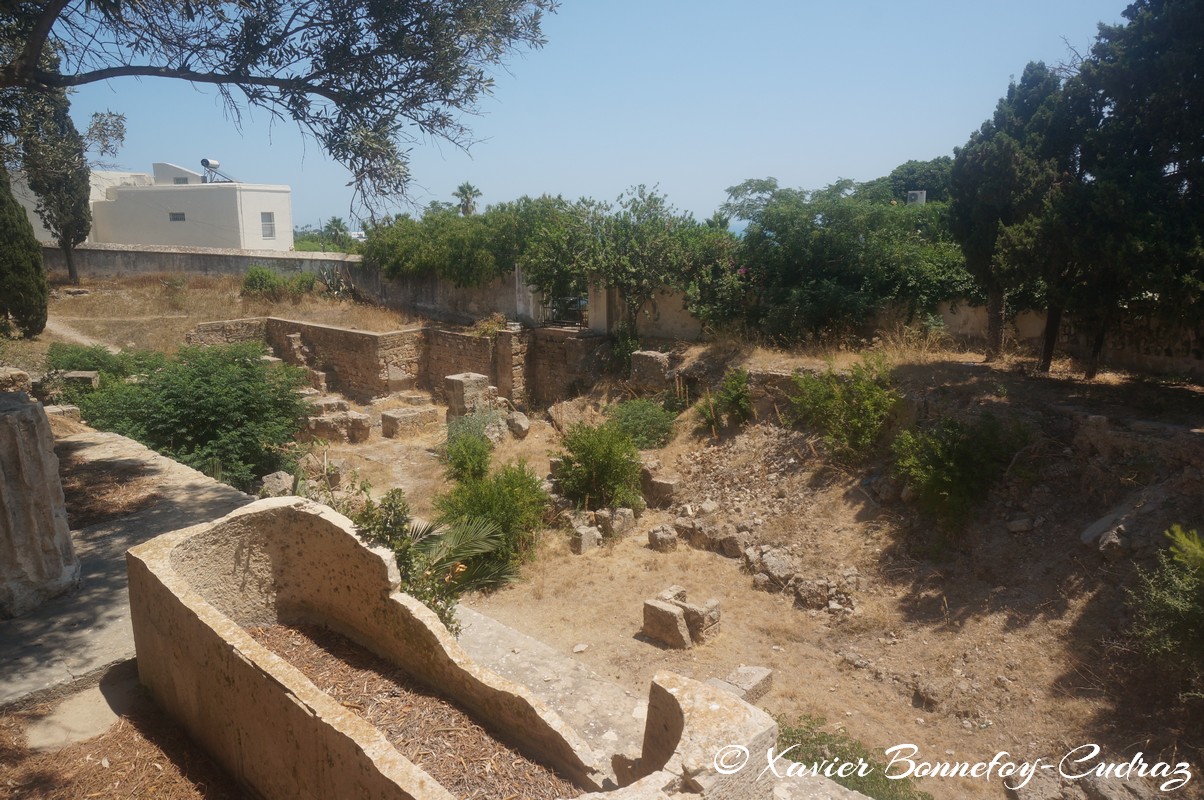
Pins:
<point x="176" y="206"/>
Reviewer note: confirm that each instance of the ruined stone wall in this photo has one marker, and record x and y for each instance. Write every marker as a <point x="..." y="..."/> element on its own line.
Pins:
<point x="511" y="349"/>
<point x="360" y="364"/>
<point x="450" y="353"/>
<point x="562" y="362"/>
<point x="290" y="560"/>
<point x="229" y="331"/>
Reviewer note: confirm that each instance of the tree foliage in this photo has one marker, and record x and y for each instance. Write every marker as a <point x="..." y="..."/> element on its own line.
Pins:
<point x="365" y="78"/>
<point x="56" y="169"/>
<point x="24" y="294"/>
<point x="823" y="263"/>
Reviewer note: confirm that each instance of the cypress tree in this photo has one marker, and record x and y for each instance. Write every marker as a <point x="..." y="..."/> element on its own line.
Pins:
<point x="23" y="289"/>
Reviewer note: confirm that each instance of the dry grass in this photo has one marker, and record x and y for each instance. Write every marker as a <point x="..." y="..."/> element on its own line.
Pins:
<point x="156" y="311"/>
<point x="434" y="734"/>
<point x="143" y="755"/>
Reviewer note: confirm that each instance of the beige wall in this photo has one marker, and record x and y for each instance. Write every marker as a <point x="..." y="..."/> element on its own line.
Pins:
<point x="215" y="215"/>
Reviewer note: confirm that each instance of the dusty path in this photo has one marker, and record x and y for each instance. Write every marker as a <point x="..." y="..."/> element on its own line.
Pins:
<point x="65" y="332"/>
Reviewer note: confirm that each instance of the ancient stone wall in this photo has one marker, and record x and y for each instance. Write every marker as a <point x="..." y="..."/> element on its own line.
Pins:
<point x="290" y="560"/>
<point x="449" y="353"/>
<point x="229" y="331"/>
<point x="562" y="362"/>
<point x="113" y="260"/>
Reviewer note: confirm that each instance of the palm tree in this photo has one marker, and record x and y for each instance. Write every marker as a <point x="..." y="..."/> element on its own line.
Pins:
<point x="336" y="231"/>
<point x="467" y="194"/>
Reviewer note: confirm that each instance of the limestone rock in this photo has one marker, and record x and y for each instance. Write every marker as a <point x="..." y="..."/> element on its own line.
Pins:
<point x="277" y="484"/>
<point x="585" y="538"/>
<point x="666" y="623"/>
<point x="650" y="370"/>
<point x="14" y="380"/>
<point x="616" y="522"/>
<point x="467" y="392"/>
<point x="37" y="558"/>
<point x="752" y="682"/>
<point x="84" y="378"/>
<point x="402" y="422"/>
<point x="662" y="539"/>
<point x="518" y="424"/>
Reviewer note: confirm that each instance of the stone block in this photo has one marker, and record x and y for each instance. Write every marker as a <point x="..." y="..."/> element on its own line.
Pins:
<point x="518" y="424"/>
<point x="662" y="539"/>
<point x="650" y="370"/>
<point x="673" y="594"/>
<point x="15" y="380"/>
<point x="40" y="561"/>
<point x="86" y="378"/>
<point x="414" y="399"/>
<point x="616" y="522"/>
<point x="328" y="405"/>
<point x="666" y="623"/>
<point x="277" y="484"/>
<point x="731" y="544"/>
<point x="406" y="421"/>
<point x="701" y="621"/>
<point x="398" y="380"/>
<point x="67" y="412"/>
<point x="341" y="426"/>
<point x="661" y="491"/>
<point x="467" y="392"/>
<point x="751" y="682"/>
<point x="584" y="539"/>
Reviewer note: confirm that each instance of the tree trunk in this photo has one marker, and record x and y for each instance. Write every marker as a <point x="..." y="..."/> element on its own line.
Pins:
<point x="995" y="309"/>
<point x="1097" y="348"/>
<point x="1049" y="340"/>
<point x="69" y="257"/>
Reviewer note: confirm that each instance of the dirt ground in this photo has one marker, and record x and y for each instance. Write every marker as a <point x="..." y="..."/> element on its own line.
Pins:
<point x="998" y="643"/>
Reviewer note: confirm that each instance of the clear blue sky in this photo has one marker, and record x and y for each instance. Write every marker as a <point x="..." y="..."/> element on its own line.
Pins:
<point x="693" y="95"/>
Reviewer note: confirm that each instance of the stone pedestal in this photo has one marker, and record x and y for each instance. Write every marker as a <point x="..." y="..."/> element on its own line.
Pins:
<point x="37" y="559"/>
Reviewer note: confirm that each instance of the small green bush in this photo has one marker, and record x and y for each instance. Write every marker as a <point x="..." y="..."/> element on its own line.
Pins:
<point x="953" y="465"/>
<point x="220" y="409"/>
<point x="624" y="342"/>
<point x="812" y="745"/>
<point x="734" y="398"/>
<point x="512" y="499"/>
<point x="467" y="451"/>
<point x="264" y="283"/>
<point x="601" y="467"/>
<point x="1168" y="606"/>
<point x="127" y="363"/>
<point x="437" y="562"/>
<point x="647" y="422"/>
<point x="850" y="411"/>
<point x="730" y="405"/>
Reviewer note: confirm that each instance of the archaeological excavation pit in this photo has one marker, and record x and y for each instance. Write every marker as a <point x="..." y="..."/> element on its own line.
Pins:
<point x="279" y="641"/>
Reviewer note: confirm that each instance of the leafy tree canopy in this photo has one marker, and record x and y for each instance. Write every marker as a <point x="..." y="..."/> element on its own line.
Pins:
<point x="365" y="78"/>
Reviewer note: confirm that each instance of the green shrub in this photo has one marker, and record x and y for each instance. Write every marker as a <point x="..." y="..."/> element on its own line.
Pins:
<point x="69" y="357"/>
<point x="624" y="342"/>
<point x="850" y="411"/>
<point x="601" y="467"/>
<point x="467" y="451"/>
<point x="812" y="745"/>
<point x="437" y="562"/>
<point x="264" y="283"/>
<point x="217" y="409"/>
<point x="1168" y="606"/>
<point x="952" y="465"/>
<point x="734" y="398"/>
<point x="647" y="422"/>
<point x="512" y="499"/>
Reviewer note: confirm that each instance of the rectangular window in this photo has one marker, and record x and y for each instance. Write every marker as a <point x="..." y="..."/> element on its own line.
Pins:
<point x="175" y="216"/>
<point x="268" y="220"/>
<point x="179" y="181"/>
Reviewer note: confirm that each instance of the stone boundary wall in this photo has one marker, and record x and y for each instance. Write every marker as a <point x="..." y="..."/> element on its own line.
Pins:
<point x="117" y="260"/>
<point x="291" y="560"/>
<point x="450" y="353"/>
<point x="427" y="295"/>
